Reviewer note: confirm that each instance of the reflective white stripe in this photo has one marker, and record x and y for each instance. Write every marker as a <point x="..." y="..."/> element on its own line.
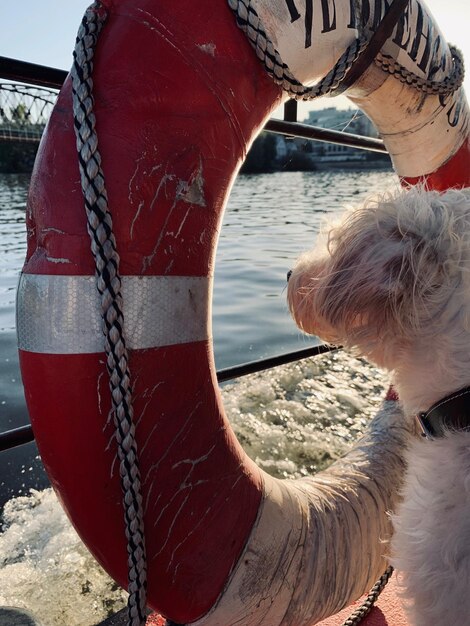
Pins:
<point x="62" y="314"/>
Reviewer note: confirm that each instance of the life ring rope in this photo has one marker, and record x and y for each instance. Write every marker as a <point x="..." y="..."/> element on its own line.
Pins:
<point x="109" y="285"/>
<point x="447" y="86"/>
<point x="250" y="23"/>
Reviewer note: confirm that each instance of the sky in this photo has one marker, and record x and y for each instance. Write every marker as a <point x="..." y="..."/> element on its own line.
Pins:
<point x="43" y="31"/>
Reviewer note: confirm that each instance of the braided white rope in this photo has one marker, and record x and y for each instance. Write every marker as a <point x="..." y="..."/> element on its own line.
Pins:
<point x="250" y="23"/>
<point x="451" y="83"/>
<point x="103" y="245"/>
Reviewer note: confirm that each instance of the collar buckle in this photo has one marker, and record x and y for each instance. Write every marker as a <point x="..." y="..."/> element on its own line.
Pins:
<point x="426" y="428"/>
<point x="452" y="413"/>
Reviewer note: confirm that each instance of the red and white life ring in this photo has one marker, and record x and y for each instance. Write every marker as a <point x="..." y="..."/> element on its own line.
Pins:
<point x="179" y="96"/>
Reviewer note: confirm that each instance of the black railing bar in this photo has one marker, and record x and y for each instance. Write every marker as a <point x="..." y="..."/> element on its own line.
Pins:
<point x="315" y="133"/>
<point x="24" y="434"/>
<point x="261" y="365"/>
<point x="44" y="76"/>
<point x="16" y="437"/>
<point x="24" y="72"/>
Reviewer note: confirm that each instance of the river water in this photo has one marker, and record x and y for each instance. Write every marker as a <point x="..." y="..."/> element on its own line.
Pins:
<point x="292" y="421"/>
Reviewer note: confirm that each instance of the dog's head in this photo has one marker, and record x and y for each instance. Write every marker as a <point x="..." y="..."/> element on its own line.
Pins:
<point x="390" y="276"/>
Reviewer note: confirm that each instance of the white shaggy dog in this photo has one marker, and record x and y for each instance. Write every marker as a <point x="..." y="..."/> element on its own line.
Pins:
<point x="392" y="283"/>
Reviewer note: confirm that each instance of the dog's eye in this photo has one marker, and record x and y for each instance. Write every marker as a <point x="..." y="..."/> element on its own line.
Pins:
<point x="289" y="274"/>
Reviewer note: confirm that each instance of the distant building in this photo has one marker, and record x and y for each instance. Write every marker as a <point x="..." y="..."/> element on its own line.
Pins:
<point x="274" y="153"/>
<point x="347" y="120"/>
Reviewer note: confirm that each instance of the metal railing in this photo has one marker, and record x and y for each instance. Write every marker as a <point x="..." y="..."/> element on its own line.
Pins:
<point x="30" y="73"/>
<point x="24" y="111"/>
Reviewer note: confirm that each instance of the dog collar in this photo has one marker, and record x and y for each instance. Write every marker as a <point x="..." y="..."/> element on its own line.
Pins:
<point x="450" y="413"/>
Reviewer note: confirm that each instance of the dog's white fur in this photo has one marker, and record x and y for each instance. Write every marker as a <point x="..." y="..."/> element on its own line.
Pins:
<point x="392" y="283"/>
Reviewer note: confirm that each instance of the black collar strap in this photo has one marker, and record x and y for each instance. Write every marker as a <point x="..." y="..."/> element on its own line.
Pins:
<point x="450" y="413"/>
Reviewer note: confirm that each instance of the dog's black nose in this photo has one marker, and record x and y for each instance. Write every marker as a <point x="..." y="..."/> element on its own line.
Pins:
<point x="289" y="274"/>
